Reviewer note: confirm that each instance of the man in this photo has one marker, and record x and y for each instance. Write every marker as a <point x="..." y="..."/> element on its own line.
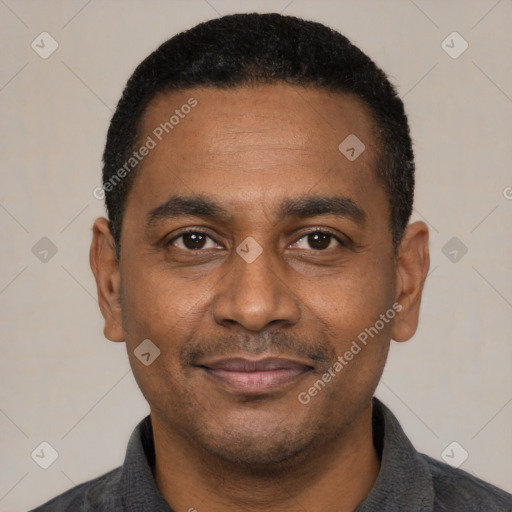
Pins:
<point x="257" y="261"/>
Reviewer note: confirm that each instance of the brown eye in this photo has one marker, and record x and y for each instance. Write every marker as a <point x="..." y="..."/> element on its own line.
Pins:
<point x="192" y="241"/>
<point x="317" y="240"/>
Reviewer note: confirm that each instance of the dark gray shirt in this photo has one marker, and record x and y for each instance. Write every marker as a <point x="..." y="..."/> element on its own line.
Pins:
<point x="407" y="481"/>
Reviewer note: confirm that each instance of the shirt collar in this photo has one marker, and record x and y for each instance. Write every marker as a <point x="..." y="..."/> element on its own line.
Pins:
<point x="404" y="481"/>
<point x="137" y="485"/>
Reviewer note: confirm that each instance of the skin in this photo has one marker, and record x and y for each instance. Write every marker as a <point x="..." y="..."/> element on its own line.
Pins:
<point x="250" y="149"/>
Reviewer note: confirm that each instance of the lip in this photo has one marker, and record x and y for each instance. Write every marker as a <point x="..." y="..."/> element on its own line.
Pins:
<point x="255" y="376"/>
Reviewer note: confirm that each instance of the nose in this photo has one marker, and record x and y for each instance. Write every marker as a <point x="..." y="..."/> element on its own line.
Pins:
<point x="255" y="295"/>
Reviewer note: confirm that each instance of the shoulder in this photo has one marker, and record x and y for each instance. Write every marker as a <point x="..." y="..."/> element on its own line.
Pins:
<point x="457" y="490"/>
<point x="98" y="495"/>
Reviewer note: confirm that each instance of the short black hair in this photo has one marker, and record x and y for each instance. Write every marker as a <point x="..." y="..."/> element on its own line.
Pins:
<point x="252" y="49"/>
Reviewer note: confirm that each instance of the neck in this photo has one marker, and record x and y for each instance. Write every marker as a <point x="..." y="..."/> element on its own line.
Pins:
<point x="337" y="476"/>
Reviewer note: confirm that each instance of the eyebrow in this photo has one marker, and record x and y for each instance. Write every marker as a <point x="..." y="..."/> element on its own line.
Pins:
<point x="311" y="206"/>
<point x="301" y="207"/>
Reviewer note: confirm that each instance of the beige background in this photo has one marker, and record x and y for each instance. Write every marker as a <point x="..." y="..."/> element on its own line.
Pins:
<point x="63" y="383"/>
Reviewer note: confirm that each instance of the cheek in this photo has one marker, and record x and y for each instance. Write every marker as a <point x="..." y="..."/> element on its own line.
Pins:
<point x="162" y="309"/>
<point x="157" y="303"/>
<point x="350" y="305"/>
<point x="350" y="300"/>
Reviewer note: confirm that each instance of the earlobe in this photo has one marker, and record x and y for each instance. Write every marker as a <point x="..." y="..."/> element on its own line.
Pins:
<point x="412" y="264"/>
<point x="105" y="267"/>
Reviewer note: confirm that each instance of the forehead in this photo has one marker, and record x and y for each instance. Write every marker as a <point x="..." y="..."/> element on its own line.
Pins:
<point x="256" y="142"/>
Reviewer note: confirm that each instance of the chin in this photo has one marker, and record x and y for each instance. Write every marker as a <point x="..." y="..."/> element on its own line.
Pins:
<point x="259" y="449"/>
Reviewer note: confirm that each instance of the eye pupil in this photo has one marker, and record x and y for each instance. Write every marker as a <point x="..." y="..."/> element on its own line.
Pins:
<point x="193" y="240"/>
<point x="319" y="240"/>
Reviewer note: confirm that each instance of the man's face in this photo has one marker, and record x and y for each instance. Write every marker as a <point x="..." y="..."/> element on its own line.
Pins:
<point x="241" y="338"/>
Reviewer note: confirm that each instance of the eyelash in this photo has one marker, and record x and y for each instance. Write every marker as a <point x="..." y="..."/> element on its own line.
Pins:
<point x="201" y="232"/>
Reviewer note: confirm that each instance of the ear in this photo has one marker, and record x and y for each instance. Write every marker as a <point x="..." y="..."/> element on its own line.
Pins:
<point x="412" y="263"/>
<point x="105" y="267"/>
